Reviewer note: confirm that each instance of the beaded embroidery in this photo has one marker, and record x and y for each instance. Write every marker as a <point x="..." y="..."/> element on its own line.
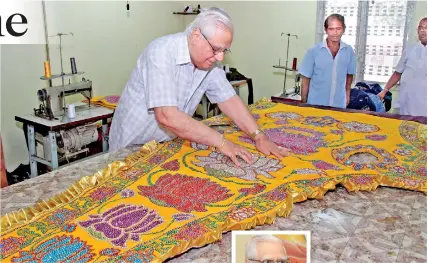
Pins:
<point x="161" y="203"/>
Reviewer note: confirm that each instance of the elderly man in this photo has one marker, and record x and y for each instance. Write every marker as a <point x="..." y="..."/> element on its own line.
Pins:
<point x="327" y="69"/>
<point x="411" y="71"/>
<point x="168" y="82"/>
<point x="266" y="248"/>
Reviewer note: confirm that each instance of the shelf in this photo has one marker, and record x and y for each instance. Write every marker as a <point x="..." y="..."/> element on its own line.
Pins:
<point x="184" y="13"/>
<point x="283" y="67"/>
<point x="60" y="76"/>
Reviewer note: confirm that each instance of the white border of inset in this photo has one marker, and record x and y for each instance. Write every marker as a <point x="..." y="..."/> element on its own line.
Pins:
<point x="271" y="232"/>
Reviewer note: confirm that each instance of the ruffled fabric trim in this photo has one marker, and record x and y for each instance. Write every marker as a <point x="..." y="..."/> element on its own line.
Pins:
<point x="32" y="213"/>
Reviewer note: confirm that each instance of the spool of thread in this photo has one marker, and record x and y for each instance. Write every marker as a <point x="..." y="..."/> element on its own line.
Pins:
<point x="47" y="69"/>
<point x="71" y="111"/>
<point x="73" y="66"/>
<point x="294" y="63"/>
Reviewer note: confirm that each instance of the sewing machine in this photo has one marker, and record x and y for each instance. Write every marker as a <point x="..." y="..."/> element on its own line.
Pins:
<point x="53" y="98"/>
<point x="64" y="135"/>
<point x="65" y="140"/>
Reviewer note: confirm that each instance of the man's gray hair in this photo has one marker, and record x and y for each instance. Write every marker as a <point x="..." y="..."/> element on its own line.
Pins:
<point x="251" y="246"/>
<point x="209" y="20"/>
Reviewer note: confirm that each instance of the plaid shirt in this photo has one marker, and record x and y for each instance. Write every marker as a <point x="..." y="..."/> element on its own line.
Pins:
<point x="163" y="76"/>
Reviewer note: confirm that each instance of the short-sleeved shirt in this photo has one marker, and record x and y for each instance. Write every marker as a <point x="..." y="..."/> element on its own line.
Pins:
<point x="328" y="76"/>
<point x="163" y="76"/>
<point x="413" y="82"/>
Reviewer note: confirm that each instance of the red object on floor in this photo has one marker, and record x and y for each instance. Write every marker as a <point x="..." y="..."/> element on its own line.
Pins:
<point x="3" y="177"/>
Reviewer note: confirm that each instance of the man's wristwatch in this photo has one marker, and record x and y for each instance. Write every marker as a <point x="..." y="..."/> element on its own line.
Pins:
<point x="255" y="133"/>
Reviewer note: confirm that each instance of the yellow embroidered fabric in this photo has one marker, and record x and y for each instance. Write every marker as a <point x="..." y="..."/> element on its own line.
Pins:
<point x="173" y="196"/>
<point x="105" y="101"/>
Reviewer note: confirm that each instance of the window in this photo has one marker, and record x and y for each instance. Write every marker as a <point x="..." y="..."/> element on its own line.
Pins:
<point x="377" y="30"/>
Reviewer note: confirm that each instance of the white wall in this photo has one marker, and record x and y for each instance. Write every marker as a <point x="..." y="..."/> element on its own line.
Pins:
<point x="106" y="44"/>
<point x="420" y="12"/>
<point x="258" y="44"/>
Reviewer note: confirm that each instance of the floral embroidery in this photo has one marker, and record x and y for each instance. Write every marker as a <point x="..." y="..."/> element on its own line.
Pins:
<point x="69" y="228"/>
<point x="279" y="194"/>
<point x="10" y="245"/>
<point x="242" y="213"/>
<point x="131" y="174"/>
<point x="355" y="126"/>
<point x="61" y="216"/>
<point x="307" y="185"/>
<point x="257" y="188"/>
<point x="236" y="199"/>
<point x="336" y="131"/>
<point x="298" y="143"/>
<point x="281" y="122"/>
<point x="137" y="256"/>
<point x="226" y="129"/>
<point x="411" y="132"/>
<point x="420" y="170"/>
<point x="399" y="169"/>
<point x="121" y="223"/>
<point x="157" y="159"/>
<point x="114" y="99"/>
<point x="127" y="193"/>
<point x="220" y="165"/>
<point x="198" y="146"/>
<point x="173" y="165"/>
<point x="383" y="158"/>
<point x="185" y="193"/>
<point x="57" y="250"/>
<point x="316" y="183"/>
<point x="284" y="115"/>
<point x="402" y="152"/>
<point x="309" y="171"/>
<point x="376" y="137"/>
<point x="320" y="121"/>
<point x="265" y="105"/>
<point x="362" y="180"/>
<point x="182" y="217"/>
<point x="319" y="164"/>
<point x="191" y="232"/>
<point x="413" y="182"/>
<point x="109" y="252"/>
<point x="102" y="193"/>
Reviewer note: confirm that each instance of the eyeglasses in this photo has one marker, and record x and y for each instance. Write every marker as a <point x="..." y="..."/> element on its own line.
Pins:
<point x="216" y="50"/>
<point x="270" y="261"/>
<point x="422" y="28"/>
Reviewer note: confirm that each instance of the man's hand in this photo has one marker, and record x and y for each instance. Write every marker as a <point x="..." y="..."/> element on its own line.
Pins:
<point x="233" y="151"/>
<point x="382" y="94"/>
<point x="348" y="99"/>
<point x="267" y="147"/>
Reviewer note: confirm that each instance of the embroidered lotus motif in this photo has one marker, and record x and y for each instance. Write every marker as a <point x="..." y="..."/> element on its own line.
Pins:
<point x="184" y="193"/>
<point x="299" y="140"/>
<point x="355" y="126"/>
<point x="121" y="223"/>
<point x="58" y="249"/>
<point x="320" y="121"/>
<point x="220" y="165"/>
<point x="283" y="115"/>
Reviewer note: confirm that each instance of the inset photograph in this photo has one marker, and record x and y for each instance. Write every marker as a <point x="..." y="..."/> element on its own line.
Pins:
<point x="271" y="246"/>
